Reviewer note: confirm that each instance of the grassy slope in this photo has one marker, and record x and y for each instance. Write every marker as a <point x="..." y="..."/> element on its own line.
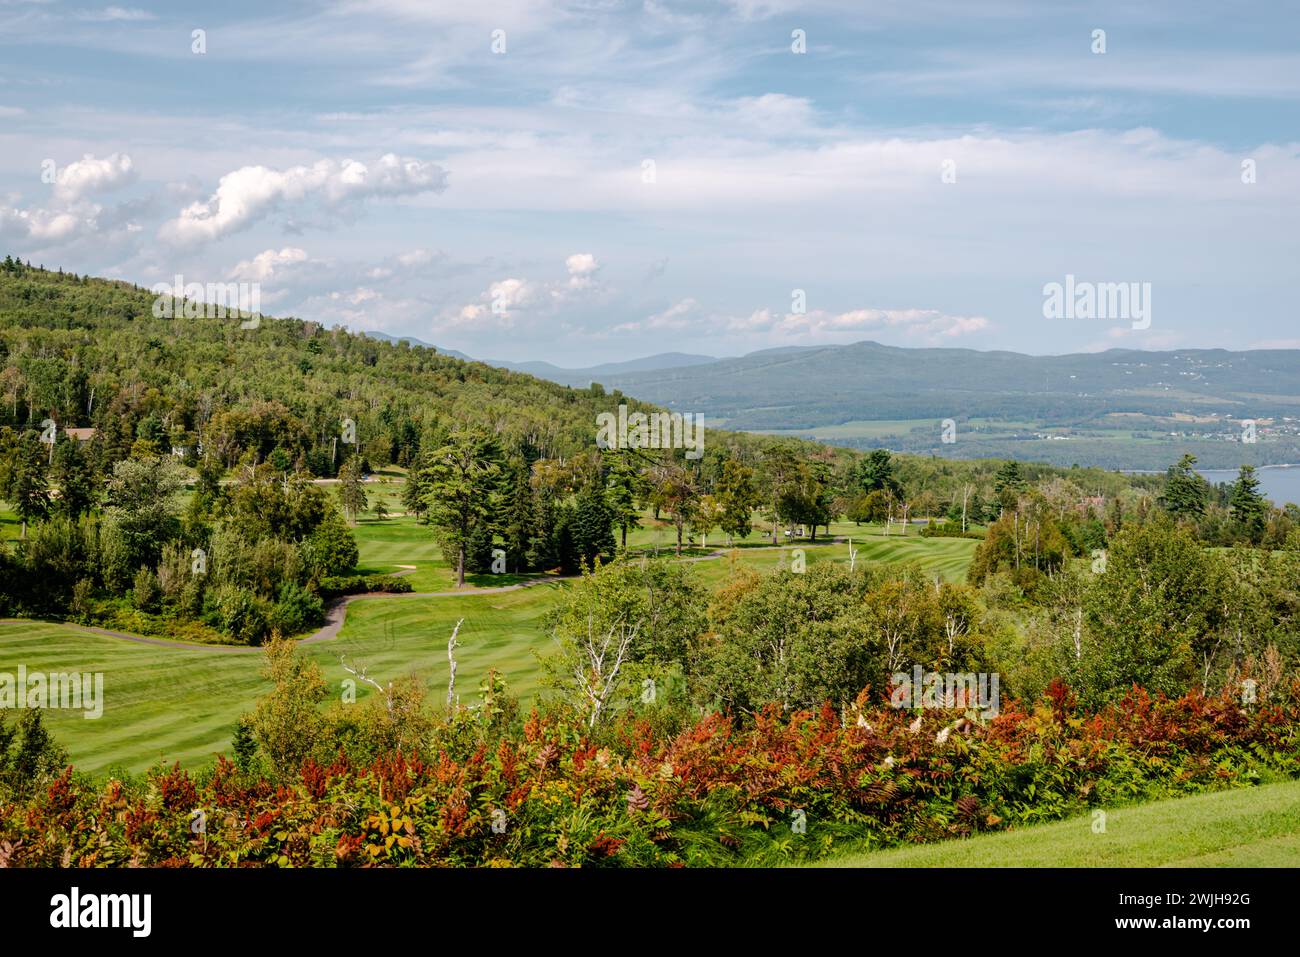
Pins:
<point x="1256" y="827"/>
<point x="180" y="704"/>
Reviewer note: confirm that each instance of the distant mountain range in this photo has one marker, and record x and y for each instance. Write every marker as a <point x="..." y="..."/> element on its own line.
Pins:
<point x="1121" y="408"/>
<point x="578" y="378"/>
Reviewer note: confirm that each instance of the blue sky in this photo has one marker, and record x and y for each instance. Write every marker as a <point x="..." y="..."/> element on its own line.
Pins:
<point x="378" y="165"/>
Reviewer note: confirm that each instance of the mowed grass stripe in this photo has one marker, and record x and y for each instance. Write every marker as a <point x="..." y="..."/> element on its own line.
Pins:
<point x="158" y="701"/>
<point x="393" y="637"/>
<point x="181" y="705"/>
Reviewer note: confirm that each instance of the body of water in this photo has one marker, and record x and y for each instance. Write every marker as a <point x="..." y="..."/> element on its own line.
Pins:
<point x="1281" y="483"/>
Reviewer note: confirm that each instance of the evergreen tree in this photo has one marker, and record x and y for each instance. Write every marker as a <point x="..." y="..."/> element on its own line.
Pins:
<point x="76" y="479"/>
<point x="28" y="486"/>
<point x="521" y="521"/>
<point x="876" y="473"/>
<point x="1009" y="484"/>
<point x="562" y="540"/>
<point x="1249" y="507"/>
<point x="593" y="522"/>
<point x="738" y="497"/>
<point x="625" y="488"/>
<point x="414" y="491"/>
<point x="352" y="492"/>
<point x="463" y="492"/>
<point x="478" y="548"/>
<point x="542" y="554"/>
<point x="1185" y="491"/>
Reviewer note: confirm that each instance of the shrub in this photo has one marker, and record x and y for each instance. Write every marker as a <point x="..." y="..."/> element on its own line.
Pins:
<point x="295" y="611"/>
<point x="950" y="530"/>
<point x="239" y="613"/>
<point x="333" y="587"/>
<point x="145" y="590"/>
<point x="721" y="791"/>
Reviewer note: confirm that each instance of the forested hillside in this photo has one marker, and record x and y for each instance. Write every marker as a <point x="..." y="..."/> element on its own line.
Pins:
<point x="89" y="352"/>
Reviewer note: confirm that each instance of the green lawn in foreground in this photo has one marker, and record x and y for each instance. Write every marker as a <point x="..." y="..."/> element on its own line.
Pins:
<point x="1252" y="827"/>
<point x="177" y="703"/>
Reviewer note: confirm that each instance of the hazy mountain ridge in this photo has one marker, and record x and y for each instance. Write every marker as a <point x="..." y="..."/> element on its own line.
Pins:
<point x="1122" y="408"/>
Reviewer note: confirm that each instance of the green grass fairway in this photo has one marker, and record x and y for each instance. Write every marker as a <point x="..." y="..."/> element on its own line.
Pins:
<point x="384" y="546"/>
<point x="181" y="704"/>
<point x="393" y="637"/>
<point x="159" y="702"/>
<point x="1253" y="827"/>
<point x="948" y="557"/>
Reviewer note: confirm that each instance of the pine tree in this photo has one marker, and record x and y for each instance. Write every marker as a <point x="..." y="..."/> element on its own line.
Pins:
<point x="521" y="521"/>
<point x="543" y="555"/>
<point x="76" y="480"/>
<point x="1185" y="491"/>
<point x="593" y="522"/>
<point x="738" y="497"/>
<point x="1249" y="507"/>
<point x="463" y="492"/>
<point x="414" y="491"/>
<point x="27" y="485"/>
<point x="876" y="473"/>
<point x="625" y="488"/>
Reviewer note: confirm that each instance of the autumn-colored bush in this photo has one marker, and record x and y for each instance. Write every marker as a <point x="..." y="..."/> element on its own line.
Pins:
<point x="778" y="787"/>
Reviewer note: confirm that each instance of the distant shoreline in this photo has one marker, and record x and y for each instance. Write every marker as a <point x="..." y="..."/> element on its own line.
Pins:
<point x="1258" y="468"/>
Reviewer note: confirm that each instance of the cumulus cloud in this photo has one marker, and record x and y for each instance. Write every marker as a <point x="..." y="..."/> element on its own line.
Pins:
<point x="41" y="225"/>
<point x="251" y="193"/>
<point x="90" y="175"/>
<point x="504" y="300"/>
<point x="582" y="270"/>
<point x="267" y="264"/>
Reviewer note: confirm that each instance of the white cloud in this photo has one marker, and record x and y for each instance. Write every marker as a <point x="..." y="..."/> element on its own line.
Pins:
<point x="503" y="301"/>
<point x="414" y="263"/>
<point x="510" y="295"/>
<point x="252" y="192"/>
<point x="680" y="315"/>
<point x="41" y="225"/>
<point x="267" y="264"/>
<point x="582" y="270"/>
<point x="91" y="175"/>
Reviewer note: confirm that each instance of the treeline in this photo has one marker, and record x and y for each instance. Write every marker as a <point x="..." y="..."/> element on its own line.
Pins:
<point x="238" y="562"/>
